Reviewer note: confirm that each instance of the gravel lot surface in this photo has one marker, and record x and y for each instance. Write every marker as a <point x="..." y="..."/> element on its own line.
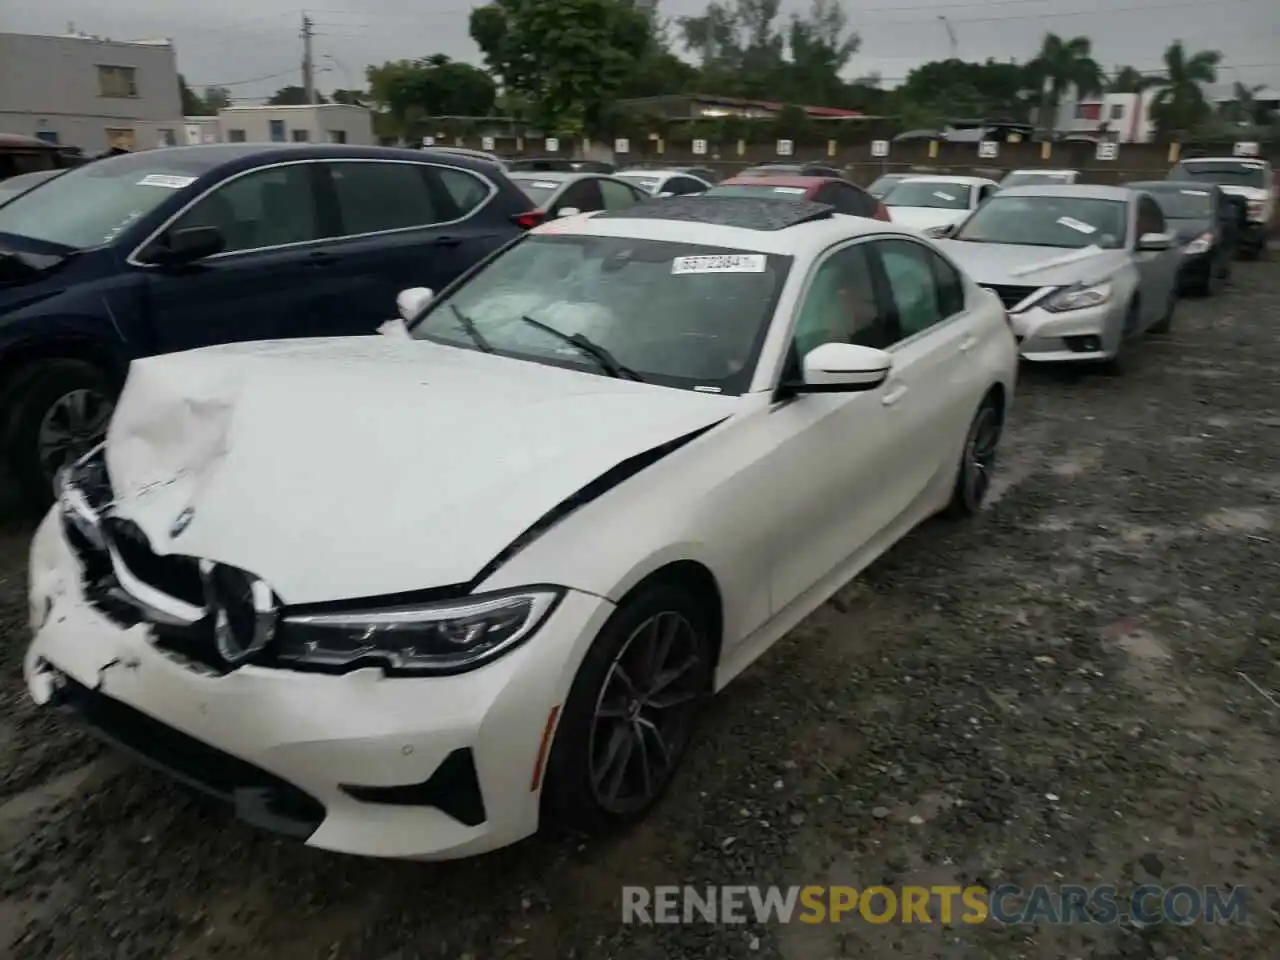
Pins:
<point x="1071" y="689"/>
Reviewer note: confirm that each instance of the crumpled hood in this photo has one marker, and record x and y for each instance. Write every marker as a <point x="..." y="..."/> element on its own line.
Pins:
<point x="1017" y="265"/>
<point x="355" y="467"/>
<point x="922" y="218"/>
<point x="1249" y="193"/>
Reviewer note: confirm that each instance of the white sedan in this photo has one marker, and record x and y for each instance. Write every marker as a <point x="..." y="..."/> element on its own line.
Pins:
<point x="666" y="183"/>
<point x="926" y="202"/>
<point x="414" y="595"/>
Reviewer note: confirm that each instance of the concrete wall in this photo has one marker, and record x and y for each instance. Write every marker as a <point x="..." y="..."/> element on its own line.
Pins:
<point x="50" y="86"/>
<point x="317" y="124"/>
<point x="182" y="132"/>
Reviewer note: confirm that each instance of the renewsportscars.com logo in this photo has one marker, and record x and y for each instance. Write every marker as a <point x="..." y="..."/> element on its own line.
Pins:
<point x="1006" y="904"/>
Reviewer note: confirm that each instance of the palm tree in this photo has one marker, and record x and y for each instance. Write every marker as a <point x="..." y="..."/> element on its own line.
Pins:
<point x="1244" y="107"/>
<point x="1062" y="65"/>
<point x="1131" y="80"/>
<point x="1180" y="102"/>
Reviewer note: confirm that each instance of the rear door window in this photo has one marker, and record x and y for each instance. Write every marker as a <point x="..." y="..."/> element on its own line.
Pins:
<point x="377" y="197"/>
<point x="272" y="207"/>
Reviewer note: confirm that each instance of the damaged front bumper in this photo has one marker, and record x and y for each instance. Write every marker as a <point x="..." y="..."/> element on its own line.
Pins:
<point x="1091" y="334"/>
<point x="361" y="763"/>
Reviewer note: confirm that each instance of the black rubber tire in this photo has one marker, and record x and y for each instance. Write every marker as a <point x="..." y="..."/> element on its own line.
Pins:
<point x="568" y="801"/>
<point x="34" y="391"/>
<point x="962" y="504"/>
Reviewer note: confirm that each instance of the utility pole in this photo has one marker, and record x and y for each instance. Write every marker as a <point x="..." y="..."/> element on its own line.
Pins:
<point x="308" y="64"/>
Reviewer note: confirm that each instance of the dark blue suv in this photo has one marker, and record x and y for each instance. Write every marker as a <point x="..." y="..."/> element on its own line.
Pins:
<point x="172" y="249"/>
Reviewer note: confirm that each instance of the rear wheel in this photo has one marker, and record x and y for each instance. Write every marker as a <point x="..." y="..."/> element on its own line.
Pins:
<point x="978" y="461"/>
<point x="58" y="410"/>
<point x="630" y="711"/>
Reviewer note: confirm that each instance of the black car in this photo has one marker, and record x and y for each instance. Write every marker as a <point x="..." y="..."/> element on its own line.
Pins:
<point x="558" y="164"/>
<point x="1206" y="223"/>
<point x="171" y="249"/>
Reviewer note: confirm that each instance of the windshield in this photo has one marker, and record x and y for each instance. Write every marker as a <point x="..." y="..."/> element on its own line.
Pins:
<point x="1071" y="223"/>
<point x="539" y="191"/>
<point x="94" y="204"/>
<point x="1229" y="173"/>
<point x="671" y="313"/>
<point x="755" y="190"/>
<point x="928" y="193"/>
<point x="1034" y="179"/>
<point x="23" y="182"/>
<point x="1185" y="204"/>
<point x="883" y="185"/>
<point x="645" y="183"/>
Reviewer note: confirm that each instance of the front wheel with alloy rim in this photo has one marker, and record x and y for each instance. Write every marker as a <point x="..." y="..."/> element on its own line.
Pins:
<point x="978" y="461"/>
<point x="630" y="711"/>
<point x="58" y="411"/>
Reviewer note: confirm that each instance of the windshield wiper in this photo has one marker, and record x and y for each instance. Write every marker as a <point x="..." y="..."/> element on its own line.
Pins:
<point x="469" y="328"/>
<point x="608" y="363"/>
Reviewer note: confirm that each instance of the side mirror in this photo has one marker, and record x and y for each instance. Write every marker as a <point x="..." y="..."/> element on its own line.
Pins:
<point x="411" y="302"/>
<point x="568" y="212"/>
<point x="186" y="246"/>
<point x="943" y="232"/>
<point x="842" y="368"/>
<point x="1155" y="241"/>
<point x="664" y="193"/>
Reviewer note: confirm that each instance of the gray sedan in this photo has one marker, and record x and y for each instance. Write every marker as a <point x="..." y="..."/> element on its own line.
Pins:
<point x="556" y="194"/>
<point x="1081" y="269"/>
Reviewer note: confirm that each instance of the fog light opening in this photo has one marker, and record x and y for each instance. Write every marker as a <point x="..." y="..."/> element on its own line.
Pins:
<point x="1089" y="344"/>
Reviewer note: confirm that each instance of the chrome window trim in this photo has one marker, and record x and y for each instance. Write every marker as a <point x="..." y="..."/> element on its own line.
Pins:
<point x="945" y="321"/>
<point x="133" y="261"/>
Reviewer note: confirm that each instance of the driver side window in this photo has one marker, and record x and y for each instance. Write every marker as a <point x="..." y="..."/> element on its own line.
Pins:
<point x="842" y="305"/>
<point x="1150" y="217"/>
<point x="267" y="208"/>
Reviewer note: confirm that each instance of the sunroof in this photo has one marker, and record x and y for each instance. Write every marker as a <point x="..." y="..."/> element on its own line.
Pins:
<point x="750" y="213"/>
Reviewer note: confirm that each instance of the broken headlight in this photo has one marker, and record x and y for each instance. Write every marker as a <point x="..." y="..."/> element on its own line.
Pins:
<point x="446" y="637"/>
<point x="1078" y="298"/>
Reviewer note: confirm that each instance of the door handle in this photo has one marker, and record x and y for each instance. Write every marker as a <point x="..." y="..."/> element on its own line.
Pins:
<point x="968" y="343"/>
<point x="894" y="394"/>
<point x="447" y="241"/>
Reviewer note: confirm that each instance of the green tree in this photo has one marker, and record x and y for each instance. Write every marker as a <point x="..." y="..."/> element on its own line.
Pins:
<point x="1179" y="105"/>
<point x="953" y="89"/>
<point x="192" y="105"/>
<point x="215" y="99"/>
<point x="820" y="46"/>
<point x="1244" y="106"/>
<point x="1132" y="80"/>
<point x="567" y="58"/>
<point x="1063" y="65"/>
<point x="355" y="98"/>
<point x="292" y="96"/>
<point x="434" y="86"/>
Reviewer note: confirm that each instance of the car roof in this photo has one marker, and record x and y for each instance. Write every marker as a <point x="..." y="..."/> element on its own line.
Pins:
<point x="212" y="156"/>
<point x="782" y="180"/>
<point x="558" y="176"/>
<point x="943" y="178"/>
<point x="1167" y="186"/>
<point x="900" y="176"/>
<point x="787" y="227"/>
<point x="1248" y="161"/>
<point x="1051" y="171"/>
<point x="1083" y="191"/>
<point x="644" y="172"/>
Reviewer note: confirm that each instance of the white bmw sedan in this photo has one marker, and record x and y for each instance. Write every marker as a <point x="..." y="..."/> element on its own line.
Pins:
<point x="414" y="595"/>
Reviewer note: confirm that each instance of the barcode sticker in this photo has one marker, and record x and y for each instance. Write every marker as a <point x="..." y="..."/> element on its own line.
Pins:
<point x="724" y="263"/>
<point x="166" y="180"/>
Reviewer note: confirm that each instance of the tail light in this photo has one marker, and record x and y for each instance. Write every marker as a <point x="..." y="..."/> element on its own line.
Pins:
<point x="882" y="212"/>
<point x="529" y="219"/>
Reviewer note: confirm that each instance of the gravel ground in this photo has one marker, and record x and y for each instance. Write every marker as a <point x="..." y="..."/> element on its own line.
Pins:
<point x="1064" y="691"/>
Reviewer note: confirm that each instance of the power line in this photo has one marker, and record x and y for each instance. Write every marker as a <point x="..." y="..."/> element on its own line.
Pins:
<point x="241" y="83"/>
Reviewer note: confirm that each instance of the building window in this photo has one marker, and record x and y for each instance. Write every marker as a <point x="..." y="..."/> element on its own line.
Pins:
<point x="121" y="138"/>
<point x="235" y="136"/>
<point x="167" y="138"/>
<point x="1117" y="111"/>
<point x="337" y="136"/>
<point x="117" y="81"/>
<point x="48" y="136"/>
<point x="1088" y="111"/>
<point x="301" y="136"/>
<point x="277" y="131"/>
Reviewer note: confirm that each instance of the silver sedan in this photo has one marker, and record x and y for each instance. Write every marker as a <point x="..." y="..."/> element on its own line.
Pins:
<point x="1081" y="270"/>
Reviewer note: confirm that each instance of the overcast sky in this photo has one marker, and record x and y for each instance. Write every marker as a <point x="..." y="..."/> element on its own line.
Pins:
<point x="253" y="46"/>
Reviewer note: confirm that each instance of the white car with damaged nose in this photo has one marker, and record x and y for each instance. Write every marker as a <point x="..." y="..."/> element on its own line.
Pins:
<point x="417" y="594"/>
<point x="1082" y="269"/>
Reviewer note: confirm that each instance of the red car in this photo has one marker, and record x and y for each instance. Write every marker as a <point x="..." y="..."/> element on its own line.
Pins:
<point x="841" y="194"/>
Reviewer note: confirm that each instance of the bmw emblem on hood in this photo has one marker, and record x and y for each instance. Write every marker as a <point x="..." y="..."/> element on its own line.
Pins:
<point x="182" y="521"/>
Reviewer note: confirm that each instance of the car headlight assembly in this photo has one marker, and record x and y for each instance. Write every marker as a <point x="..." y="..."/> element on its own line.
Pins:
<point x="1255" y="208"/>
<point x="415" y="640"/>
<point x="1200" y="244"/>
<point x="1078" y="298"/>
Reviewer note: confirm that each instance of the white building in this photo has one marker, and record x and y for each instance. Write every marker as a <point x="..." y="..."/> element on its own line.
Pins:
<point x="1123" y="117"/>
<point x="182" y="132"/>
<point x="85" y="91"/>
<point x="305" y="123"/>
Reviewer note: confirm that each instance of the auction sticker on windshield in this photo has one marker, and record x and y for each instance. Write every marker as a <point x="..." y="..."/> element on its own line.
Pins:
<point x="943" y="196"/>
<point x="1077" y="225"/>
<point x="795" y="191"/>
<point x="166" y="180"/>
<point x="1195" y="193"/>
<point x="724" y="263"/>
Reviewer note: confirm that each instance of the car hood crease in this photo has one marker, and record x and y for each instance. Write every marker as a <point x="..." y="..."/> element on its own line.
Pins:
<point x="1028" y="266"/>
<point x="341" y="469"/>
